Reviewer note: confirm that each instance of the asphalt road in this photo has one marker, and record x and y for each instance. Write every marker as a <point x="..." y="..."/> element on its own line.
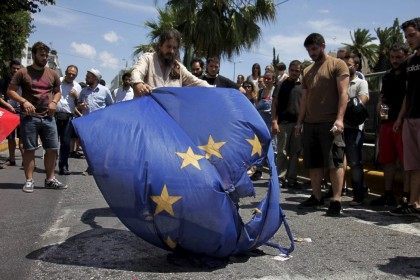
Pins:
<point x="72" y="234"/>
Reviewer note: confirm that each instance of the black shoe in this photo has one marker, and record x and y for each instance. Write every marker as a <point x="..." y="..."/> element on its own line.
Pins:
<point x="64" y="171"/>
<point x="356" y="201"/>
<point x="312" y="201"/>
<point x="12" y="162"/>
<point x="88" y="172"/>
<point x="334" y="210"/>
<point x="405" y="210"/>
<point x="256" y="176"/>
<point x="76" y="155"/>
<point x="295" y="185"/>
<point x="386" y="199"/>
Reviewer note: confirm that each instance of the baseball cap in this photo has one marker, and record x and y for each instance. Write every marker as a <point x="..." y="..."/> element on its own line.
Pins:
<point x="95" y="72"/>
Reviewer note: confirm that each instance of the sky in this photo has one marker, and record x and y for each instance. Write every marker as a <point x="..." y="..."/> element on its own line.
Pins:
<point x="103" y="33"/>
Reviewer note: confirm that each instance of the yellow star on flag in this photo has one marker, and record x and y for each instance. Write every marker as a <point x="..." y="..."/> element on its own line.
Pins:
<point x="256" y="145"/>
<point x="170" y="243"/>
<point x="164" y="201"/>
<point x="190" y="158"/>
<point x="212" y="148"/>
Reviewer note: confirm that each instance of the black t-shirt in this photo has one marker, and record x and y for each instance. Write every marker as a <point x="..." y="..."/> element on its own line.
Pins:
<point x="413" y="87"/>
<point x="394" y="88"/>
<point x="220" y="81"/>
<point x="283" y="101"/>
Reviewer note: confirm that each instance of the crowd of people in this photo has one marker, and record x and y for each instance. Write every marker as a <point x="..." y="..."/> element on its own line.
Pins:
<point x="317" y="112"/>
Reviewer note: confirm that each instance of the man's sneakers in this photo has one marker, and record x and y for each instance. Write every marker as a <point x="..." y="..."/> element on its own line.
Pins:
<point x="312" y="201"/>
<point x="405" y="210"/>
<point x="334" y="210"/>
<point x="28" y="187"/>
<point x="54" y="184"/>
<point x="386" y="199"/>
<point x="64" y="171"/>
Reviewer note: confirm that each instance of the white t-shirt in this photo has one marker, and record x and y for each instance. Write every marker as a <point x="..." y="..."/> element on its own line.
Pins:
<point x="120" y="94"/>
<point x="67" y="102"/>
<point x="358" y="87"/>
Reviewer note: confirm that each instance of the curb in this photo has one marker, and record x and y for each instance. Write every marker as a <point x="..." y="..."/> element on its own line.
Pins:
<point x="374" y="178"/>
<point x="4" y="146"/>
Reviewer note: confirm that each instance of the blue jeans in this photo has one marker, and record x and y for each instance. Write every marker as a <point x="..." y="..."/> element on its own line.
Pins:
<point x="65" y="132"/>
<point x="45" y="127"/>
<point x="354" y="138"/>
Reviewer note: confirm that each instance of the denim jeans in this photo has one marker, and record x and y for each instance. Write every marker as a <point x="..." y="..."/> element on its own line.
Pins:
<point x="65" y="130"/>
<point x="44" y="127"/>
<point x="354" y="138"/>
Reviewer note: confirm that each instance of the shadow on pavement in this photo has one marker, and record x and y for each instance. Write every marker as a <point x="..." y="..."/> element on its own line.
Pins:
<point x="89" y="216"/>
<point x="402" y="266"/>
<point x="122" y="250"/>
<point x="380" y="218"/>
<point x="110" y="249"/>
<point x="11" y="186"/>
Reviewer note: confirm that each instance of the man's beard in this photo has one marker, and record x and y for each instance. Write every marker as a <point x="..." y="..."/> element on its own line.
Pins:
<point x="39" y="63"/>
<point x="168" y="60"/>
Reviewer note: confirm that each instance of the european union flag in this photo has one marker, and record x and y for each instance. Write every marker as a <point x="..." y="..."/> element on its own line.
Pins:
<point x="173" y="166"/>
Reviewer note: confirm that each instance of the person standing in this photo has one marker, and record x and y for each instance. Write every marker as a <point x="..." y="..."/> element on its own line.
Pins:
<point x="284" y="114"/>
<point x="197" y="67"/>
<point x="161" y="68"/>
<point x="321" y="114"/>
<point x="13" y="107"/>
<point x="40" y="95"/>
<point x="125" y="92"/>
<point x="95" y="96"/>
<point x="353" y="134"/>
<point x="212" y="76"/>
<point x="263" y="106"/>
<point x="390" y="143"/>
<point x="410" y="111"/>
<point x="255" y="74"/>
<point x="66" y="110"/>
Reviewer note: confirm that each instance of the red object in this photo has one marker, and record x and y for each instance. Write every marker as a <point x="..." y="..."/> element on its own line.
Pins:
<point x="8" y="122"/>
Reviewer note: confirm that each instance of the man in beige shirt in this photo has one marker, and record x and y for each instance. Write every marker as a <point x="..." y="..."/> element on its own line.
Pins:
<point x="161" y="68"/>
<point x="321" y="114"/>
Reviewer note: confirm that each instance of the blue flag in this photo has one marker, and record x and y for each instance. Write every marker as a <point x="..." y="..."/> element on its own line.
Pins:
<point x="173" y="165"/>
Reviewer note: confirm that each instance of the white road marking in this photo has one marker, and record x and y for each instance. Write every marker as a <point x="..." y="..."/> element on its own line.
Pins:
<point x="57" y="233"/>
<point x="385" y="220"/>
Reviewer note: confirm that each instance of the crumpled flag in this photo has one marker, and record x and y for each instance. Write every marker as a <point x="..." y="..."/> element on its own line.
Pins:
<point x="173" y="165"/>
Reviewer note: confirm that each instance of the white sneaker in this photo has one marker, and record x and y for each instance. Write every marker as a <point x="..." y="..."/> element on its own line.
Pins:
<point x="28" y="186"/>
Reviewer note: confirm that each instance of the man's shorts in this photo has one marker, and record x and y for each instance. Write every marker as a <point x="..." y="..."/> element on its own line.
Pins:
<point x="390" y="144"/>
<point x="411" y="142"/>
<point x="44" y="127"/>
<point x="321" y="148"/>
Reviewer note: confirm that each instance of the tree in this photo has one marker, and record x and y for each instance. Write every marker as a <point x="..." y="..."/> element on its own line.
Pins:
<point x="208" y="27"/>
<point x="362" y="46"/>
<point x="15" y="27"/>
<point x="32" y="6"/>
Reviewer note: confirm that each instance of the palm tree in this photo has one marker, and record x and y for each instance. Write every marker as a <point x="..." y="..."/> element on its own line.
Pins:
<point x="362" y="46"/>
<point x="166" y="21"/>
<point x="209" y="27"/>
